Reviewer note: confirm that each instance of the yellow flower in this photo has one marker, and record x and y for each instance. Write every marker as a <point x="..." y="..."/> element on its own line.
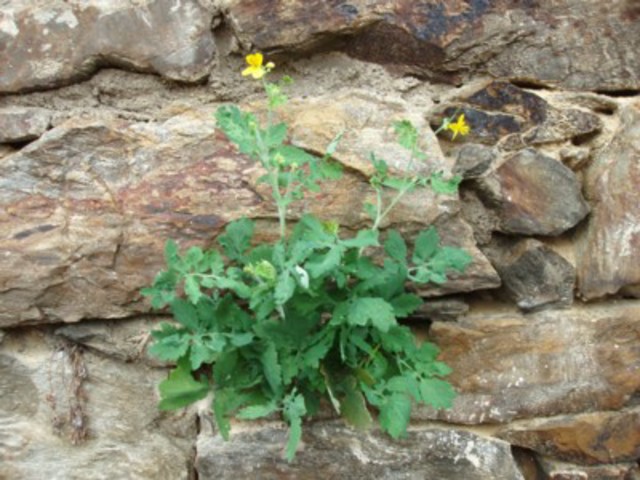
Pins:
<point x="255" y="68"/>
<point x="459" y="127"/>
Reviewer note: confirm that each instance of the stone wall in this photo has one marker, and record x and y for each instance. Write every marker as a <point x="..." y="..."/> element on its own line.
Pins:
<point x="108" y="147"/>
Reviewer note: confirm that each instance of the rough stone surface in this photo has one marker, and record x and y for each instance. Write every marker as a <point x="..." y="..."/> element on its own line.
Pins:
<point x="22" y="124"/>
<point x="533" y="275"/>
<point x="534" y="194"/>
<point x="331" y="450"/>
<point x="508" y="365"/>
<point x="473" y="160"/>
<point x="555" y="470"/>
<point x="613" y="230"/>
<point x="592" y="438"/>
<point x="88" y="206"/>
<point x="55" y="43"/>
<point x="575" y="44"/>
<point x="69" y="413"/>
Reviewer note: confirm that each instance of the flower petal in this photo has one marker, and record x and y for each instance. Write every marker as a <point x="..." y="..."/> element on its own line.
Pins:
<point x="254" y="59"/>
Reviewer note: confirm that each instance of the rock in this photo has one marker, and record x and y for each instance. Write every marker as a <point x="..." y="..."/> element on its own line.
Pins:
<point x="446" y="309"/>
<point x="509" y="366"/>
<point x="517" y="118"/>
<point x="539" y="43"/>
<point x="75" y="414"/>
<point x="52" y="45"/>
<point x="87" y="207"/>
<point x="608" y="248"/>
<point x="554" y="470"/>
<point x="533" y="275"/>
<point x="590" y="438"/>
<point x="534" y="195"/>
<point x="474" y="160"/>
<point x="124" y="341"/>
<point x="23" y="124"/>
<point x="331" y="450"/>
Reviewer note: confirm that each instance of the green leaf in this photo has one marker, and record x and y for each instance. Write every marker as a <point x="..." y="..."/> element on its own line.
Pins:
<point x="333" y="145"/>
<point x="451" y="258"/>
<point x="169" y="343"/>
<point x="370" y="209"/>
<point x="320" y="264"/>
<point x="241" y="339"/>
<point x="405" y="304"/>
<point x="253" y="412"/>
<point x="448" y="187"/>
<point x="206" y="350"/>
<point x="193" y="258"/>
<point x="407" y="134"/>
<point x="294" y="409"/>
<point x="395" y="246"/>
<point x="437" y="393"/>
<point x="395" y="412"/>
<point x="192" y="289"/>
<point x="364" y="238"/>
<point x="271" y="368"/>
<point x="239" y="127"/>
<point x="426" y="245"/>
<point x="185" y="313"/>
<point x="374" y="311"/>
<point x="276" y="135"/>
<point x="180" y="388"/>
<point x="295" y="155"/>
<point x="171" y="255"/>
<point x="380" y="165"/>
<point x="285" y="287"/>
<point x="398" y="183"/>
<point x="237" y="238"/>
<point x="353" y="406"/>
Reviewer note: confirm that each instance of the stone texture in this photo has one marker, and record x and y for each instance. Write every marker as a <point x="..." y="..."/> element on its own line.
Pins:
<point x="446" y="309"/>
<point x="23" y="124"/>
<point x="510" y="366"/>
<point x="55" y="43"/>
<point x="555" y="470"/>
<point x="608" y="248"/>
<point x="570" y="43"/>
<point x="533" y="275"/>
<point x="69" y="413"/>
<point x="331" y="450"/>
<point x="473" y="160"/>
<point x="534" y="194"/>
<point x="88" y="206"/>
<point x="591" y="438"/>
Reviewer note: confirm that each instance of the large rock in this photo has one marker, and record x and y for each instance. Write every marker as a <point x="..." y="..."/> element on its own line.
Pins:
<point x="551" y="469"/>
<point x="567" y="43"/>
<point x="591" y="438"/>
<point x="89" y="205"/>
<point x="331" y="450"/>
<point x="67" y="413"/>
<point x="608" y="248"/>
<point x="47" y="45"/>
<point x="510" y="366"/>
<point x="533" y="194"/>
<point x="23" y="124"/>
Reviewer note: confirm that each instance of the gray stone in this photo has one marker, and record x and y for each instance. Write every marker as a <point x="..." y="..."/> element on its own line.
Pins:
<point x="533" y="275"/>
<point x="331" y="450"/>
<point x="473" y="160"/>
<point x="52" y="44"/>
<point x="608" y="248"/>
<point x="534" y="194"/>
<point x="552" y="469"/>
<point x="68" y="413"/>
<point x="507" y="365"/>
<point x="22" y="124"/>
<point x="442" y="309"/>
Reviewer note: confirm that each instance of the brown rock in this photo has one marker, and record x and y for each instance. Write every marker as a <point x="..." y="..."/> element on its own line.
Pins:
<point x="75" y="414"/>
<point x="608" y="248"/>
<point x="533" y="275"/>
<point x="331" y="450"/>
<point x="508" y="366"/>
<point x="89" y="205"/>
<point x="534" y="195"/>
<point x="591" y="438"/>
<point x="49" y="45"/>
<point x="23" y="124"/>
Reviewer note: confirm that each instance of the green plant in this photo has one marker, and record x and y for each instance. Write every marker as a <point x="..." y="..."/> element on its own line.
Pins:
<point x="275" y="327"/>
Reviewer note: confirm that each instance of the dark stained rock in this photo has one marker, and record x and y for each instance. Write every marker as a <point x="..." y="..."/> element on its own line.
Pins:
<point x="473" y="160"/>
<point x="567" y="43"/>
<point x="45" y="46"/>
<point x="533" y="275"/>
<point x="534" y="195"/>
<point x="608" y="248"/>
<point x="510" y="366"/>
<point x="446" y="309"/>
<point x="331" y="450"/>
<point x="590" y="438"/>
<point x="19" y="125"/>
